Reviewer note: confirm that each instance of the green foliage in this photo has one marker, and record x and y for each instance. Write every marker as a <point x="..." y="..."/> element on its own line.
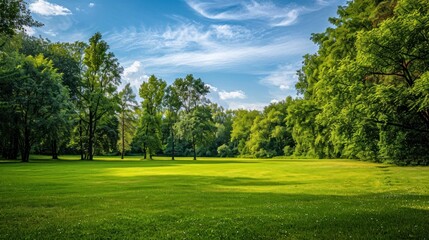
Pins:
<point x="362" y="96"/>
<point x="97" y="91"/>
<point x="127" y="118"/>
<point x="37" y="101"/>
<point x="241" y="125"/>
<point x="195" y="123"/>
<point x="269" y="134"/>
<point x="149" y="131"/>
<point x="14" y="16"/>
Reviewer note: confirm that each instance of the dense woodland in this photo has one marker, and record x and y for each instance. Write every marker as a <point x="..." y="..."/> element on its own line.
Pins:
<point x="363" y="95"/>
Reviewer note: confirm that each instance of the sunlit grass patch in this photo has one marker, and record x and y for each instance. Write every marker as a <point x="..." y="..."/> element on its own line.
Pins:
<point x="212" y="198"/>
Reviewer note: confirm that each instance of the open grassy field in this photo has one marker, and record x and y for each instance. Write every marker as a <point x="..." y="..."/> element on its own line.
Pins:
<point x="212" y="199"/>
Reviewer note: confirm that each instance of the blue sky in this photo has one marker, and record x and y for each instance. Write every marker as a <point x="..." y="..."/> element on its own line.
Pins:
<point x="248" y="51"/>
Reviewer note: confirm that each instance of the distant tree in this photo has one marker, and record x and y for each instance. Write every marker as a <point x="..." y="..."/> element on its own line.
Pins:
<point x="241" y="125"/>
<point x="192" y="94"/>
<point x="223" y="120"/>
<point x="172" y="106"/>
<point x="149" y="131"/>
<point x="198" y="128"/>
<point x="127" y="118"/>
<point x="269" y="134"/>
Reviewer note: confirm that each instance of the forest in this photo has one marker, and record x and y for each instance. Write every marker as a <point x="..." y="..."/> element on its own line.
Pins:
<point x="363" y="95"/>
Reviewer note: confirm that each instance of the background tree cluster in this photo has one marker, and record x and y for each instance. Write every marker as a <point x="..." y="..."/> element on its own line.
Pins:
<point x="363" y="95"/>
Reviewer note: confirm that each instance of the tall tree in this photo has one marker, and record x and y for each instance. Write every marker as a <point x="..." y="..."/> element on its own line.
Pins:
<point x="100" y="79"/>
<point x="152" y="92"/>
<point x="192" y="94"/>
<point x="172" y="106"/>
<point x="127" y="118"/>
<point x="67" y="59"/>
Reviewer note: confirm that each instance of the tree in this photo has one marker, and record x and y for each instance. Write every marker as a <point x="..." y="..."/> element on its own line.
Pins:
<point x="127" y="118"/>
<point x="14" y="16"/>
<point x="223" y="120"/>
<point x="394" y="56"/>
<point x="97" y="95"/>
<point x="39" y="98"/>
<point x="241" y="125"/>
<point x="198" y="128"/>
<point x="269" y="134"/>
<point x="172" y="106"/>
<point x="194" y="118"/>
<point x="152" y="93"/>
<point x="67" y="59"/>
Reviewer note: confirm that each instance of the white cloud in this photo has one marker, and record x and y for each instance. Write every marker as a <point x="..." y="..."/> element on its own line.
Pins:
<point x="91" y="5"/>
<point x="247" y="105"/>
<point x="246" y="10"/>
<point x="132" y="69"/>
<point x="29" y="30"/>
<point x="134" y="75"/>
<point x="284" y="77"/>
<point x="224" y="95"/>
<point x="46" y="8"/>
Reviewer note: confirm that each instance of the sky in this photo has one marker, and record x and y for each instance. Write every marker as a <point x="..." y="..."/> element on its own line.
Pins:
<point x="246" y="51"/>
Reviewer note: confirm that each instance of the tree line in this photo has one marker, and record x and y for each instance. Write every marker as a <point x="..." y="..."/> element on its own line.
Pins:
<point x="363" y="95"/>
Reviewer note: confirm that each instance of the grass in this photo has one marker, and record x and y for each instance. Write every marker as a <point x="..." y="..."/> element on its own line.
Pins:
<point x="212" y="199"/>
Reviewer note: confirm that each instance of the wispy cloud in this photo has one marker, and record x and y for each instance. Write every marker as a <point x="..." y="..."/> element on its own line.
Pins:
<point x="284" y="77"/>
<point x="91" y="5"/>
<point x="46" y="8"/>
<point x="247" y="10"/>
<point x="184" y="36"/>
<point x="204" y="47"/>
<point x="281" y="82"/>
<point x="224" y="95"/>
<point x="226" y="57"/>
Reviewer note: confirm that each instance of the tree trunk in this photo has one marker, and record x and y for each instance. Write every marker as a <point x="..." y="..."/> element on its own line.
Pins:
<point x="82" y="157"/>
<point x="91" y="137"/>
<point x="172" y="153"/>
<point x="193" y="146"/>
<point x="54" y="149"/>
<point x="123" y="135"/>
<point x="144" y="150"/>
<point x="25" y="152"/>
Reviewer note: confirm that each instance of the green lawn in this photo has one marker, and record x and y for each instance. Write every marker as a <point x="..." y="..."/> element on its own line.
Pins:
<point x="212" y="199"/>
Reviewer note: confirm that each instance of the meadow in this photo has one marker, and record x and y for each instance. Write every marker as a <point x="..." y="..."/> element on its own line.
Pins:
<point x="212" y="198"/>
